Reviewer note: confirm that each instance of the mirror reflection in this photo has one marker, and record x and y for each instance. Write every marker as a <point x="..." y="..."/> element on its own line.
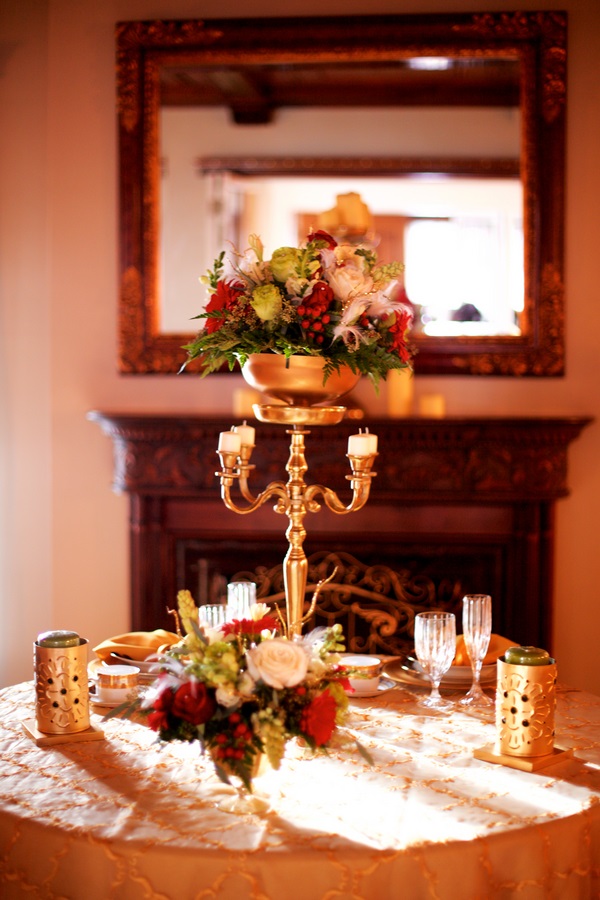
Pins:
<point x="471" y="227"/>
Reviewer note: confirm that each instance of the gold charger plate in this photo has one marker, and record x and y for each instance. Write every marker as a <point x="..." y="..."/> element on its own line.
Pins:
<point x="406" y="671"/>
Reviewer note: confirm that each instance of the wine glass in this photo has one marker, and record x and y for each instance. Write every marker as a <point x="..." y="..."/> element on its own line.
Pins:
<point x="477" y="629"/>
<point x="435" y="646"/>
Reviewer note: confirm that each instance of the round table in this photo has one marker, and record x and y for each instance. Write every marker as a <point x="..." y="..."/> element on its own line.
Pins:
<point x="126" y="817"/>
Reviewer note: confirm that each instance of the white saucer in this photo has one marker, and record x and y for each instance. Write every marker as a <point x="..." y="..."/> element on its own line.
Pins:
<point x="107" y="704"/>
<point x="385" y="684"/>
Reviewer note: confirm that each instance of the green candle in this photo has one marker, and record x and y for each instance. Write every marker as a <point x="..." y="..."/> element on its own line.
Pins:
<point x="58" y="639"/>
<point x="527" y="656"/>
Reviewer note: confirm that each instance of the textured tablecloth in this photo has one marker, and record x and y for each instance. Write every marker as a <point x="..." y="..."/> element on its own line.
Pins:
<point x="129" y="818"/>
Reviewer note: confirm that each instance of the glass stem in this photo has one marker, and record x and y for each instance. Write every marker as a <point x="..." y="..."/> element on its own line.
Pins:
<point x="435" y="690"/>
<point x="476" y="687"/>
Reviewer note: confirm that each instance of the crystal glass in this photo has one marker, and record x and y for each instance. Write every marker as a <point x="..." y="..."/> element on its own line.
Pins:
<point x="241" y="595"/>
<point x="212" y="614"/>
<point x="477" y="630"/>
<point x="435" y="647"/>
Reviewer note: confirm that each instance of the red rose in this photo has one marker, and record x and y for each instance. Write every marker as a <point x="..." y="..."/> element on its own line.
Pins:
<point x="159" y="718"/>
<point x="193" y="703"/>
<point x="224" y="299"/>
<point x="318" y="718"/>
<point x="320" y="297"/>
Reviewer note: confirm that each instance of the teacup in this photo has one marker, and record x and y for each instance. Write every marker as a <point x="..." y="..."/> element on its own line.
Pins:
<point x="115" y="683"/>
<point x="364" y="673"/>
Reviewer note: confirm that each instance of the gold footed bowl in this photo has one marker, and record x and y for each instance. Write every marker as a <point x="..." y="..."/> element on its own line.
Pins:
<point x="297" y="381"/>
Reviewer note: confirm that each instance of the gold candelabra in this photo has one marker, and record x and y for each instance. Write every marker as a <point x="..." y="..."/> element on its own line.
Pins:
<point x="294" y="498"/>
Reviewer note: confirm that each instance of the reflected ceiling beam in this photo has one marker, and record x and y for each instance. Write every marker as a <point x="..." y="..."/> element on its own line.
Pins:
<point x="254" y="94"/>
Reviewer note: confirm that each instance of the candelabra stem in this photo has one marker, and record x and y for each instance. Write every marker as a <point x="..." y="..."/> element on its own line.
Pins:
<point x="295" y="564"/>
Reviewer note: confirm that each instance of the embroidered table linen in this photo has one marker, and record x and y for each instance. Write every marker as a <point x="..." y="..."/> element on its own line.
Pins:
<point x="128" y="818"/>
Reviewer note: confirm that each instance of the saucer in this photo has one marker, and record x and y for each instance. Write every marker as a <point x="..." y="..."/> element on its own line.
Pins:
<point x="107" y="704"/>
<point x="385" y="684"/>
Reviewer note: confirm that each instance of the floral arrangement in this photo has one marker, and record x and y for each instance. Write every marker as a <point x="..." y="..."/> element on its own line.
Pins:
<point x="244" y="689"/>
<point x="320" y="299"/>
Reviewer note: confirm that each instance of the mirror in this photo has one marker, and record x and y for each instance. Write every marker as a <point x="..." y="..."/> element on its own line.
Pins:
<point x="388" y="105"/>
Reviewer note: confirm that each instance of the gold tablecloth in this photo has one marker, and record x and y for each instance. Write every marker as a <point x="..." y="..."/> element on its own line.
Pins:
<point x="128" y="818"/>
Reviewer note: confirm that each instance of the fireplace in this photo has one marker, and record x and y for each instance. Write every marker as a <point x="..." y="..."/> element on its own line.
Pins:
<point x="459" y="505"/>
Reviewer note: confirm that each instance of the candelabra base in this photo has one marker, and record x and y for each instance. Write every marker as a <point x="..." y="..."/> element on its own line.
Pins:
<point x="299" y="415"/>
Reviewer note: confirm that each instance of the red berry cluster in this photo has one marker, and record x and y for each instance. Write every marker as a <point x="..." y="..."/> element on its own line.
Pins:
<point x="232" y="744"/>
<point x="313" y="320"/>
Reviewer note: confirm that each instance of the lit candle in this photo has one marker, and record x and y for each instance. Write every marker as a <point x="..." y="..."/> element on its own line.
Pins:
<point x="362" y="444"/>
<point x="229" y="442"/>
<point x="246" y="433"/>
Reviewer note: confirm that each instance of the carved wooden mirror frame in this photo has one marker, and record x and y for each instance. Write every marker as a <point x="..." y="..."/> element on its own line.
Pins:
<point x="536" y="39"/>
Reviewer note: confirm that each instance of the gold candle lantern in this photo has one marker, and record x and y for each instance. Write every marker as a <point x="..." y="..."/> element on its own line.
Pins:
<point x="525" y="707"/>
<point x="61" y="684"/>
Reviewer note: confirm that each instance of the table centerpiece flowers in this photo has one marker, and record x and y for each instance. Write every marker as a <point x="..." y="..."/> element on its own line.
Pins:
<point x="322" y="299"/>
<point x="244" y="689"/>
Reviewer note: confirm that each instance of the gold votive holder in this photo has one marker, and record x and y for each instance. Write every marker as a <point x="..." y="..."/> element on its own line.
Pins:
<point x="525" y="708"/>
<point x="62" y="702"/>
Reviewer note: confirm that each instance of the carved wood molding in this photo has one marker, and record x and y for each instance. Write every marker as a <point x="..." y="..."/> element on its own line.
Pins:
<point x="438" y="459"/>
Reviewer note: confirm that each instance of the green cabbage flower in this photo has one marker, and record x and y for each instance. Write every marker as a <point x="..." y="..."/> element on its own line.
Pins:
<point x="284" y="263"/>
<point x="266" y="302"/>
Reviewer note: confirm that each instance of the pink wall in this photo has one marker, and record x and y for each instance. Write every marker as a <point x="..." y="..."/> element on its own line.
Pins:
<point x="63" y="533"/>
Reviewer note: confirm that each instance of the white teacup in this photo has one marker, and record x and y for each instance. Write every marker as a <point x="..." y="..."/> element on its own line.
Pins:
<point x="115" y="683"/>
<point x="366" y="673"/>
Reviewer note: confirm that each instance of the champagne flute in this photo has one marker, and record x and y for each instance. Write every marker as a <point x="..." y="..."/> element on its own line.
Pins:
<point x="435" y="647"/>
<point x="477" y="629"/>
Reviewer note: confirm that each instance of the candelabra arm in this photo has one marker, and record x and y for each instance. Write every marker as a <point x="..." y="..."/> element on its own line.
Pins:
<point x="275" y="489"/>
<point x="360" y="482"/>
<point x="233" y="470"/>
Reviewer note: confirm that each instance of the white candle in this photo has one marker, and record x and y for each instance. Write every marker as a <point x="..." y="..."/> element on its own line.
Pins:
<point x="246" y="433"/>
<point x="362" y="444"/>
<point x="229" y="442"/>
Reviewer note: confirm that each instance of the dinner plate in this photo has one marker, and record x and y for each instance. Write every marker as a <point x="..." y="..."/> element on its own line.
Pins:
<point x="409" y="671"/>
<point x="385" y="684"/>
<point x="144" y="665"/>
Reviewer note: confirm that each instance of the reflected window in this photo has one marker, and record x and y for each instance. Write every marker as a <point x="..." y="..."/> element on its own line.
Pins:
<point x="465" y="274"/>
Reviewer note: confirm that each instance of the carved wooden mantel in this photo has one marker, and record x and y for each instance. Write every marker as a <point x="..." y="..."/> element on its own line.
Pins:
<point x="467" y="503"/>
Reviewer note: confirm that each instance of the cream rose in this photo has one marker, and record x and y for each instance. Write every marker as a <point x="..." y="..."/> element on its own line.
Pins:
<point x="279" y="663"/>
<point x="348" y="282"/>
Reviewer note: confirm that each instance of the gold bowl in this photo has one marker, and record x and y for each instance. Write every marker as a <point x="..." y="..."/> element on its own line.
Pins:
<point x="297" y="381"/>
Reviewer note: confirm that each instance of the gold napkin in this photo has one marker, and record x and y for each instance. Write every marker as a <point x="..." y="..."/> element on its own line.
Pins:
<point x="497" y="646"/>
<point x="137" y="644"/>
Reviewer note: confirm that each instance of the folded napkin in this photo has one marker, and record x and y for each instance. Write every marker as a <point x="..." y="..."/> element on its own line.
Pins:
<point x="497" y="646"/>
<point x="137" y="645"/>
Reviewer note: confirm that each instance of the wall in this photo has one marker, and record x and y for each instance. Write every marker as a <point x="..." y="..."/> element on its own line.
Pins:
<point x="63" y="538"/>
